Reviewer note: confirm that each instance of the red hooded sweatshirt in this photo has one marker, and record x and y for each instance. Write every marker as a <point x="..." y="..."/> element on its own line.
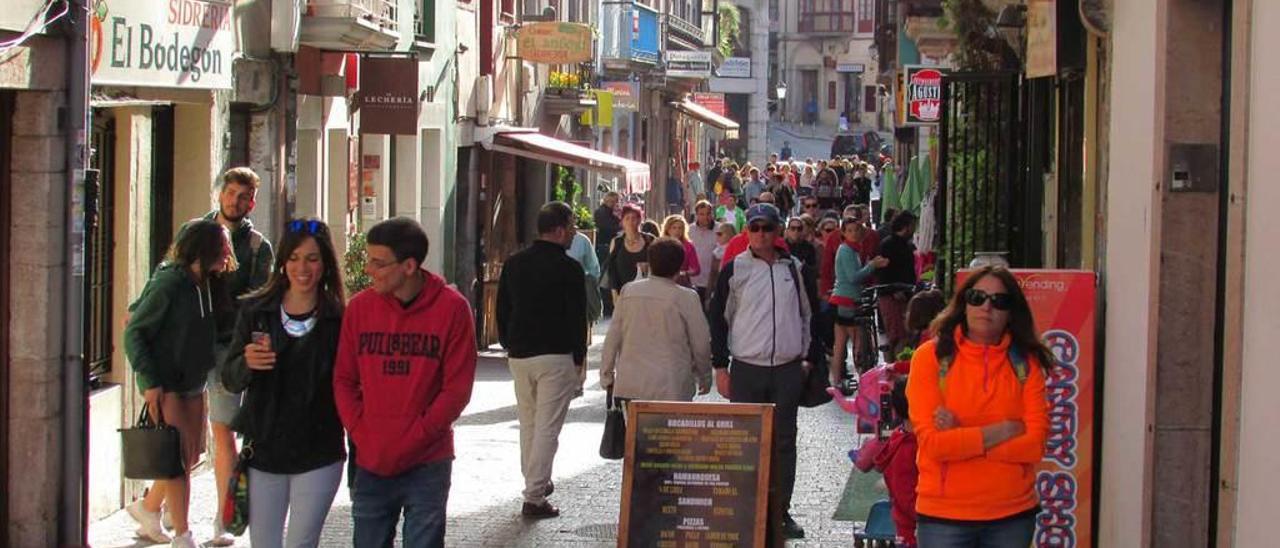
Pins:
<point x="403" y="375"/>
<point x="897" y="461"/>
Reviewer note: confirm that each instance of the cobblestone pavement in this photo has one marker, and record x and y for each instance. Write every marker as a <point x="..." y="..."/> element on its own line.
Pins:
<point x="484" y="503"/>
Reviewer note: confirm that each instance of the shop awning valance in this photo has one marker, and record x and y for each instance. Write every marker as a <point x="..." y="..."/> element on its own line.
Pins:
<point x="706" y="116"/>
<point x="536" y="146"/>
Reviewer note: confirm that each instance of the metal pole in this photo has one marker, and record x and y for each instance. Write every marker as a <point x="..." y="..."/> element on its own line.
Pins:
<point x="73" y="499"/>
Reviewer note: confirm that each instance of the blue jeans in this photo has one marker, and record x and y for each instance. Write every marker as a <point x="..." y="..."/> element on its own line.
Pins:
<point x="421" y="493"/>
<point x="1015" y="532"/>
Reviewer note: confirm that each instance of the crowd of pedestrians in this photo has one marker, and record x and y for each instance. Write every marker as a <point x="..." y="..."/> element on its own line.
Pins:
<point x="761" y="282"/>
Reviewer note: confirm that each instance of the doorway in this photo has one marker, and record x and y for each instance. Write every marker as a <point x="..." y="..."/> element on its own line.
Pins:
<point x="809" y="99"/>
<point x="852" y="96"/>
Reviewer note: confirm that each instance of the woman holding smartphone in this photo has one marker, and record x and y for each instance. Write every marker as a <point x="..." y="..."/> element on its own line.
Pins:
<point x="282" y="358"/>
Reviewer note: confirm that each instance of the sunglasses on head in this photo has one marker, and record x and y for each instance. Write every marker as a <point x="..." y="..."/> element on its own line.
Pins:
<point x="762" y="227"/>
<point x="999" y="301"/>
<point x="306" y="227"/>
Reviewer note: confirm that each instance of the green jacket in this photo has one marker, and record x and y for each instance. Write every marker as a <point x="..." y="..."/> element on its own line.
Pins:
<point x="255" y="266"/>
<point x="170" y="336"/>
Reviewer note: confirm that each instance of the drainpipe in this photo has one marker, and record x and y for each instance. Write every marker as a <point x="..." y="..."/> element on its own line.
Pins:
<point x="72" y="496"/>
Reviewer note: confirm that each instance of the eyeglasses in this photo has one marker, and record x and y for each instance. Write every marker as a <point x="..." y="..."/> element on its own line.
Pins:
<point x="810" y="206"/>
<point x="999" y="301"/>
<point x="762" y="227"/>
<point x="380" y="264"/>
<point x="306" y="227"/>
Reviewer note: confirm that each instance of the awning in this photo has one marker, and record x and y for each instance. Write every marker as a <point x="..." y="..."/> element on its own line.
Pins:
<point x="536" y="146"/>
<point x="704" y="115"/>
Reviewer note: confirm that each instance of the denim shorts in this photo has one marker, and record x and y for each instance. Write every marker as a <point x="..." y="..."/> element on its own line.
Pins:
<point x="223" y="405"/>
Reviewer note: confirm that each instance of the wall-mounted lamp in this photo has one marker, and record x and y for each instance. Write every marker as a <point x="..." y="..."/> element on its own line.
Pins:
<point x="782" y="90"/>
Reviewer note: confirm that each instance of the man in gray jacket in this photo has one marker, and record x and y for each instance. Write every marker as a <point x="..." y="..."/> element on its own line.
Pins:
<point x="760" y="323"/>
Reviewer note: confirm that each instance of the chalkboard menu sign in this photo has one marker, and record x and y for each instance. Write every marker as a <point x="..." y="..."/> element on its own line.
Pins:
<point x="695" y="475"/>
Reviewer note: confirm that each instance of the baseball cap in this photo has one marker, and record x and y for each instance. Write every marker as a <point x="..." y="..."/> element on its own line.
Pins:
<point x="764" y="212"/>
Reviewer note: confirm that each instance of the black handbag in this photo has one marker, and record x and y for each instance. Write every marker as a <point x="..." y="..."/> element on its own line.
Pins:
<point x="151" y="451"/>
<point x="613" y="444"/>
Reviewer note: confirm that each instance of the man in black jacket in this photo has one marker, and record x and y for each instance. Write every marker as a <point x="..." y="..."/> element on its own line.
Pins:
<point x="608" y="225"/>
<point x="542" y="322"/>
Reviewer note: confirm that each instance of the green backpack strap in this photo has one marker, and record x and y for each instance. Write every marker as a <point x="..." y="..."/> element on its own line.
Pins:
<point x="1016" y="358"/>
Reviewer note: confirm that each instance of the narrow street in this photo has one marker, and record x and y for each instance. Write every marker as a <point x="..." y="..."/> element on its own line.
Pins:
<point x="484" y="504"/>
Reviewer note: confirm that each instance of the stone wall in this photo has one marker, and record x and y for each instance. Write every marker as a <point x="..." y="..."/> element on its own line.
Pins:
<point x="36" y="267"/>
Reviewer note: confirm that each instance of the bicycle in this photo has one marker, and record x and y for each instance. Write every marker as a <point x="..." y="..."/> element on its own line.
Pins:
<point x="871" y="343"/>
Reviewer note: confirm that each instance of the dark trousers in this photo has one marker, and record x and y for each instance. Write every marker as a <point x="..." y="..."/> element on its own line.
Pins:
<point x="1015" y="532"/>
<point x="420" y="493"/>
<point x="782" y="386"/>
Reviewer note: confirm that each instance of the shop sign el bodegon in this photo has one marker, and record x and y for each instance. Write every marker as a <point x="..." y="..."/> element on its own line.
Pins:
<point x="389" y="95"/>
<point x="554" y="43"/>
<point x="162" y="43"/>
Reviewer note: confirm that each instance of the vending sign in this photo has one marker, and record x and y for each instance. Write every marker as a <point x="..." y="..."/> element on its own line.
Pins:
<point x="1063" y="303"/>
<point x="922" y="95"/>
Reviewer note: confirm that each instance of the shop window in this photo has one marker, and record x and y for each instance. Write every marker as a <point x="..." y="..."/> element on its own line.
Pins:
<point x="869" y="99"/>
<point x="831" y="95"/>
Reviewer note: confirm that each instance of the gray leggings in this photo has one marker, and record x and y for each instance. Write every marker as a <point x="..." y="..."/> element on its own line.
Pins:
<point x="304" y="497"/>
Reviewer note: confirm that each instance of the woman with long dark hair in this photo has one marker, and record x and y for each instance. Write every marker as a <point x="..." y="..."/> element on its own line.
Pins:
<point x="169" y="341"/>
<point x="628" y="251"/>
<point x="282" y="355"/>
<point x="978" y="405"/>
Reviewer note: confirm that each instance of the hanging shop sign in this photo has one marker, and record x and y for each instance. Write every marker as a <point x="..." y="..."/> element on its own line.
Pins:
<point x="713" y="101"/>
<point x="388" y="96"/>
<point x="1042" y="38"/>
<point x="626" y="95"/>
<point x="695" y="474"/>
<point x="554" y="43"/>
<point x="735" y="67"/>
<point x="1063" y="303"/>
<point x="689" y="64"/>
<point x="172" y="44"/>
<point x="921" y="95"/>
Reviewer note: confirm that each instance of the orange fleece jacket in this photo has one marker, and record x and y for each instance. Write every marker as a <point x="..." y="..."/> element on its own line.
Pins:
<point x="959" y="479"/>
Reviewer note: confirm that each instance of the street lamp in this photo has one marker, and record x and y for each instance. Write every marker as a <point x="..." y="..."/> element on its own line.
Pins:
<point x="782" y="97"/>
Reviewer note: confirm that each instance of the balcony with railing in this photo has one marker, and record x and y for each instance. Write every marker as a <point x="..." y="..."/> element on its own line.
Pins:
<point x="688" y="34"/>
<point x="360" y="25"/>
<point x="827" y="17"/>
<point x="629" y="34"/>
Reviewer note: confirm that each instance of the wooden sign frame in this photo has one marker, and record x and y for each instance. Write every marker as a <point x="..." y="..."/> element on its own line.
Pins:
<point x="690" y="410"/>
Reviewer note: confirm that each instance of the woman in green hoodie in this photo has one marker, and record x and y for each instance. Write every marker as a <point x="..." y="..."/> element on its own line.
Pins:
<point x="169" y="341"/>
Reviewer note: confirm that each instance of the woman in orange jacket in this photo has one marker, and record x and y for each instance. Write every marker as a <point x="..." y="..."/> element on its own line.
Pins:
<point x="978" y="405"/>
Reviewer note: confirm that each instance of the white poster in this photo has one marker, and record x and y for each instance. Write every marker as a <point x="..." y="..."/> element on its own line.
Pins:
<point x="162" y="43"/>
<point x="735" y="67"/>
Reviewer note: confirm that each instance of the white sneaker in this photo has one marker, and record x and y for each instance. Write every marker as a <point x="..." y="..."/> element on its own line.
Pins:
<point x="220" y="536"/>
<point x="184" y="540"/>
<point x="148" y="523"/>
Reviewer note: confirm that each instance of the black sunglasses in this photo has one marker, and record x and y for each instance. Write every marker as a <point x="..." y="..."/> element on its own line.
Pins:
<point x="765" y="227"/>
<point x="810" y="206"/>
<point x="307" y="227"/>
<point x="999" y="301"/>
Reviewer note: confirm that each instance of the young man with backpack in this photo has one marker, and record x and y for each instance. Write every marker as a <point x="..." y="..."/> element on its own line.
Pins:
<point x="237" y="197"/>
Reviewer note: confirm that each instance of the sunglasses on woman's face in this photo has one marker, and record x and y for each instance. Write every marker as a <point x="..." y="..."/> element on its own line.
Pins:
<point x="999" y="301"/>
<point x="762" y="227"/>
<point x="810" y="206"/>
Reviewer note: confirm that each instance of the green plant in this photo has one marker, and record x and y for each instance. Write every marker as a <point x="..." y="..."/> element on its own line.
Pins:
<point x="567" y="190"/>
<point x="353" y="262"/>
<point x="972" y="22"/>
<point x="730" y="26"/>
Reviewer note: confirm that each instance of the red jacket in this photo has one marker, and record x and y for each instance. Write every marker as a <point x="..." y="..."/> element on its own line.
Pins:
<point x="897" y="461"/>
<point x="868" y="248"/>
<point x="402" y="376"/>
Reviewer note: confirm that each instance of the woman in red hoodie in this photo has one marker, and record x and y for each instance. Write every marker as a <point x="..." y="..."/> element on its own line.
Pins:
<point x="978" y="406"/>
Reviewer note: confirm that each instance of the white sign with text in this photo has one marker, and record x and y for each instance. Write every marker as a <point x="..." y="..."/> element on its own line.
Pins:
<point x="162" y="43"/>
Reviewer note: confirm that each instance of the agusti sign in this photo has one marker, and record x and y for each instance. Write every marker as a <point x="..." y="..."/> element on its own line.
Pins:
<point x="919" y="96"/>
<point x="169" y="43"/>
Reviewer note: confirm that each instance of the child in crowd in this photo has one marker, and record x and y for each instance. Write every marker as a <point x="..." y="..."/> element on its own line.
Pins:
<point x="897" y="461"/>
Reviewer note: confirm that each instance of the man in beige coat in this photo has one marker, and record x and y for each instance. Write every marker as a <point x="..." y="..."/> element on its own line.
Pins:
<point x="659" y="344"/>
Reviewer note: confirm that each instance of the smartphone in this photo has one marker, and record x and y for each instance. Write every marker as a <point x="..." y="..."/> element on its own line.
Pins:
<point x="887" y="420"/>
<point x="261" y="338"/>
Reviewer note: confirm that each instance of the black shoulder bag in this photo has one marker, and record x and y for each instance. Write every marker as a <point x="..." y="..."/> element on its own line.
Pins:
<point x="151" y="451"/>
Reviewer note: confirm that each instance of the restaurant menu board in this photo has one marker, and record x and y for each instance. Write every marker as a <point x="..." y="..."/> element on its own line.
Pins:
<point x="695" y="475"/>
